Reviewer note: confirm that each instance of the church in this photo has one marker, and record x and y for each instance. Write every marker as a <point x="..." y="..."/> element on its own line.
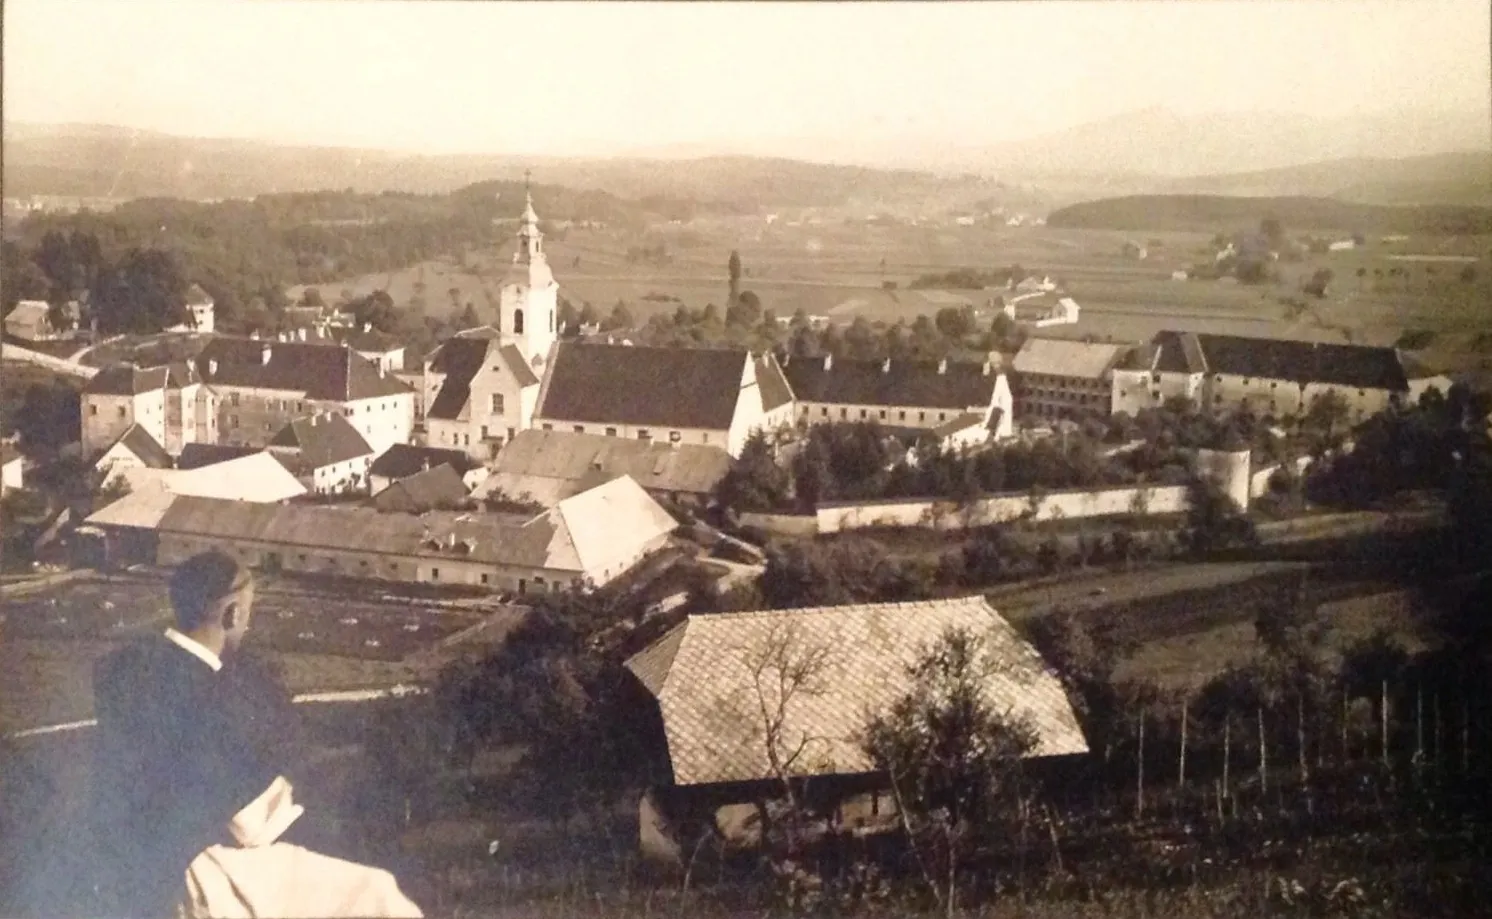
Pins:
<point x="481" y="387"/>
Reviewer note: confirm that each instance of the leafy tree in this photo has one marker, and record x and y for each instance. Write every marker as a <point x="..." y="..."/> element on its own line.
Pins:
<point x="850" y="570"/>
<point x="469" y="318"/>
<point x="1271" y="229"/>
<point x="144" y="292"/>
<point x="733" y="269"/>
<point x="620" y="318"/>
<point x="954" y="760"/>
<point x="376" y="309"/>
<point x="1327" y="413"/>
<point x="1213" y="520"/>
<point x="755" y="481"/>
<point x="955" y="322"/>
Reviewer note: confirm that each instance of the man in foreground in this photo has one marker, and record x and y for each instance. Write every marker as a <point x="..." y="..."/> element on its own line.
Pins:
<point x="192" y="802"/>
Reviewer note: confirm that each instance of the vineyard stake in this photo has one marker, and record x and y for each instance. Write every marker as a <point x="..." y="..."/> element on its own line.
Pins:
<point x="1300" y="739"/>
<point x="1383" y="724"/>
<point x="1419" y="724"/>
<point x="1227" y="753"/>
<point x="1465" y="735"/>
<point x="1435" y="702"/>
<point x="1346" y="751"/>
<point x="1263" y="755"/>
<point x="1140" y="773"/>
<point x="1181" y="777"/>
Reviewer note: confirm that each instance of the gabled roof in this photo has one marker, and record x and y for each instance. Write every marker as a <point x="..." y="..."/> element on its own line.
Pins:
<point x="430" y="489"/>
<point x="403" y="460"/>
<point x="126" y="380"/>
<point x="776" y="391"/>
<point x="196" y="456"/>
<point x="1066" y="358"/>
<point x="1180" y="352"/>
<point x="960" y="386"/>
<point x="146" y="449"/>
<point x="557" y="464"/>
<point x="656" y="387"/>
<point x="323" y="371"/>
<point x="604" y="525"/>
<point x="704" y="674"/>
<point x="196" y="296"/>
<point x="461" y="359"/>
<point x="322" y="440"/>
<point x="8" y="453"/>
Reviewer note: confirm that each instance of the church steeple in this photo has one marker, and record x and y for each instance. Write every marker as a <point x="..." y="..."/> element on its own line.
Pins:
<point x="528" y="300"/>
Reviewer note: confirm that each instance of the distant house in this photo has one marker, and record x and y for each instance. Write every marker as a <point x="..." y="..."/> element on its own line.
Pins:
<point x="1058" y="378"/>
<point x="549" y="466"/>
<point x="437" y="488"/>
<point x="1180" y="274"/>
<point x="1342" y="245"/>
<point x="710" y="397"/>
<point x="135" y="449"/>
<point x="378" y="348"/>
<point x="30" y="320"/>
<point x="701" y="681"/>
<point x="12" y="468"/>
<point x="1271" y="377"/>
<point x="404" y="460"/>
<point x="588" y="540"/>
<point x="325" y="451"/>
<point x="899" y="394"/>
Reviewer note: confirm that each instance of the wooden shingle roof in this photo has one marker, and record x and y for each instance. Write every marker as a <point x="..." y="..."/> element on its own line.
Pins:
<point x="659" y="387"/>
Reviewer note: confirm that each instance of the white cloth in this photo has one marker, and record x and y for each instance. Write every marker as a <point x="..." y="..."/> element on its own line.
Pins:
<point x="195" y="648"/>
<point x="282" y="880"/>
<point x="267" y="817"/>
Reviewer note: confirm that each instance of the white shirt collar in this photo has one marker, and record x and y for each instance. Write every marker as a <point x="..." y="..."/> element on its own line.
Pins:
<point x="195" y="648"/>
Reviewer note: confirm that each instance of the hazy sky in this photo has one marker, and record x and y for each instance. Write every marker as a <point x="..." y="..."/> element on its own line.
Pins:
<point x="594" y="77"/>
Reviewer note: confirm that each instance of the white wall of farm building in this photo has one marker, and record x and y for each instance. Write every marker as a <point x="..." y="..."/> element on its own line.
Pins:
<point x="384" y="421"/>
<point x="1167" y="499"/>
<point x="106" y="417"/>
<point x="174" y="548"/>
<point x="1134" y="390"/>
<point x="712" y="438"/>
<point x="901" y="416"/>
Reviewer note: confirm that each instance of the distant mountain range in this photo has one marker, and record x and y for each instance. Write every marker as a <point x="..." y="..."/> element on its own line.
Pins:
<point x="1396" y="158"/>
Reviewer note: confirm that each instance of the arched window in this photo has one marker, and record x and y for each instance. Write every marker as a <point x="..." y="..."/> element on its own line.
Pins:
<point x="517" y="322"/>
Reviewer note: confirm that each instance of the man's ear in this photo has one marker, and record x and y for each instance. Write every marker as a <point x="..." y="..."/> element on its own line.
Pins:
<point x="230" y="615"/>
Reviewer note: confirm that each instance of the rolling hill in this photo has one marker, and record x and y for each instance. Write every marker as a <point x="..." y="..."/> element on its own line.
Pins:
<point x="1445" y="178"/>
<point x="1214" y="213"/>
<point x="103" y="161"/>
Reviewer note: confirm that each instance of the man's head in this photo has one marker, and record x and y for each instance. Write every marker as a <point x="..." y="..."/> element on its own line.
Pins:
<point x="212" y="594"/>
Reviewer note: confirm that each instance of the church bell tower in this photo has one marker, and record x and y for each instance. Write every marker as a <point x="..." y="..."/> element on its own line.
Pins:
<point x="528" y="303"/>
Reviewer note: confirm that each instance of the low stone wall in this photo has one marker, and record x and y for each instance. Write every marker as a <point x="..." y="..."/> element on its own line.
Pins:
<point x="783" y="524"/>
<point x="1057" y="505"/>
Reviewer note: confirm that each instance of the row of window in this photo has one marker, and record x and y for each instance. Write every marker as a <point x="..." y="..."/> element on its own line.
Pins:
<point x="643" y="434"/>
<point x="881" y="414"/>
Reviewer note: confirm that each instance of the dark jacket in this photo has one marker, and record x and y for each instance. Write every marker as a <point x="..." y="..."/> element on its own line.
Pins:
<point x="180" y="750"/>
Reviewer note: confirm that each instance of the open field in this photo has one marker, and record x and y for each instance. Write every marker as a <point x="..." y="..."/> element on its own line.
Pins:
<point x="838" y="269"/>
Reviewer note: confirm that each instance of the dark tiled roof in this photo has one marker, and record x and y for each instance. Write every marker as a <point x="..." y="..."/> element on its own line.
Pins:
<point x="195" y="456"/>
<point x="774" y="386"/>
<point x="403" y="460"/>
<point x="196" y="296"/>
<point x="126" y="380"/>
<point x="518" y="366"/>
<point x="1357" y="366"/>
<point x="460" y="359"/>
<point x="439" y="487"/>
<point x="1140" y="357"/>
<point x="322" y="440"/>
<point x="323" y="371"/>
<point x="659" y="387"/>
<point x="1179" y="353"/>
<point x="369" y="341"/>
<point x="139" y="442"/>
<point x="181" y="374"/>
<point x="847" y="382"/>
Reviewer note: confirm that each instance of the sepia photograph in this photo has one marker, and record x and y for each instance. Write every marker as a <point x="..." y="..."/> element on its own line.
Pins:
<point x="584" y="458"/>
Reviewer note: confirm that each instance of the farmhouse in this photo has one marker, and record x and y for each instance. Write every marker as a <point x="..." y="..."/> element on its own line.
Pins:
<point x="901" y="394"/>
<point x="172" y="403"/>
<point x="477" y="393"/>
<point x="379" y="348"/>
<point x="1270" y="376"/>
<point x="404" y="460"/>
<point x="30" y="320"/>
<point x="258" y="478"/>
<point x="549" y="466"/>
<point x="135" y="449"/>
<point x="710" y="397"/>
<point x="199" y="312"/>
<point x="587" y="540"/>
<point x="704" y="677"/>
<point x="264" y="385"/>
<point x="325" y="452"/>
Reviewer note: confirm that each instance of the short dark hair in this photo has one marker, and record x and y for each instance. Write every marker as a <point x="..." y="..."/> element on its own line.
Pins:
<point x="203" y="580"/>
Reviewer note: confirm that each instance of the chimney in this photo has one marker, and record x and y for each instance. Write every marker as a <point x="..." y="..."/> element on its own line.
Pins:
<point x="302" y="333"/>
<point x="987" y="367"/>
<point x="943" y="365"/>
<point x="254" y="335"/>
<point x="828" y="362"/>
<point x="451" y="539"/>
<point x="426" y="464"/>
<point x="212" y="368"/>
<point x="367" y="327"/>
<point x="886" y="365"/>
<point x="264" y="354"/>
